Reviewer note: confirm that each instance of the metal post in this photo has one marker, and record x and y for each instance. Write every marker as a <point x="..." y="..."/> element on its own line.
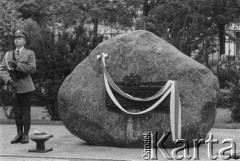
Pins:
<point x="234" y="43"/>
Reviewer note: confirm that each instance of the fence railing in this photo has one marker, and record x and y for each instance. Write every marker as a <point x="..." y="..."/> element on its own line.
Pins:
<point x="231" y="57"/>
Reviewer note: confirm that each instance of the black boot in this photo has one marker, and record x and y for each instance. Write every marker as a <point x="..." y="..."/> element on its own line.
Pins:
<point x="19" y="136"/>
<point x="25" y="139"/>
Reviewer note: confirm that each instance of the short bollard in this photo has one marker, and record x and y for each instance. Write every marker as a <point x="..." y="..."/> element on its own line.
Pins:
<point x="40" y="139"/>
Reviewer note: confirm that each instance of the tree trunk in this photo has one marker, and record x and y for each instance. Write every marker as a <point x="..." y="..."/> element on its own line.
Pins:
<point x="238" y="3"/>
<point x="206" y="60"/>
<point x="221" y="36"/>
<point x="95" y="31"/>
<point x="146" y="7"/>
<point x="95" y="26"/>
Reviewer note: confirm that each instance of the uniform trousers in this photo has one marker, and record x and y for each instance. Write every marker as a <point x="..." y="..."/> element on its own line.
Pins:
<point x="22" y="111"/>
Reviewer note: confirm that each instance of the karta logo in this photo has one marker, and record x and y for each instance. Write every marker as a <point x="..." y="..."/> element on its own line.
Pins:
<point x="152" y="145"/>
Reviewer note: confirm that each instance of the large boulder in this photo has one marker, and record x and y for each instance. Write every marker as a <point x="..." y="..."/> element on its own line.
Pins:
<point x="82" y="96"/>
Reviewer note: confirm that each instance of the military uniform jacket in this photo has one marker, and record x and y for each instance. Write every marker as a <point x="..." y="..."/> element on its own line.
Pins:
<point x="26" y="64"/>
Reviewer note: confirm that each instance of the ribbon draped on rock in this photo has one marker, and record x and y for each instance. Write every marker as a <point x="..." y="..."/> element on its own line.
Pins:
<point x="170" y="87"/>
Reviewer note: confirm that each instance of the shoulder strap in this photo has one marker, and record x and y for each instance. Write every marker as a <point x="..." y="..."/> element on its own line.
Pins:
<point x="14" y="56"/>
<point x="6" y="61"/>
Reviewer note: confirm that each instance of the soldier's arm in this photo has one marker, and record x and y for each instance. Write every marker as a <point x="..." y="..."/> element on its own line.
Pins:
<point x="4" y="71"/>
<point x="30" y="66"/>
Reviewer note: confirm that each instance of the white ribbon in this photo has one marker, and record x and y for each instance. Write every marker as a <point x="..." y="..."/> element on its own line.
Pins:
<point x="170" y="87"/>
<point x="119" y="91"/>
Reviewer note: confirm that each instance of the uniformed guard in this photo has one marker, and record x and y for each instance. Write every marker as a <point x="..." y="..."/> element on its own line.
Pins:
<point x="16" y="67"/>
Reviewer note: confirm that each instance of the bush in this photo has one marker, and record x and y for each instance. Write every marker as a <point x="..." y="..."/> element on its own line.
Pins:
<point x="224" y="100"/>
<point x="236" y="114"/>
<point x="56" y="60"/>
<point x="234" y="83"/>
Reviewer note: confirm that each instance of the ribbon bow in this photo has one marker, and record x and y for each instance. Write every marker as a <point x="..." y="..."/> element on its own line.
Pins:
<point x="105" y="55"/>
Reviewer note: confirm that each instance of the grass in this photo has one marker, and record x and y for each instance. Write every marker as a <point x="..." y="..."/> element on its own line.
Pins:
<point x="38" y="117"/>
<point x="33" y="122"/>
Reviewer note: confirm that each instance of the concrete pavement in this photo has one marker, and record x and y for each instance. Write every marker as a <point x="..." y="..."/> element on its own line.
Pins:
<point x="67" y="147"/>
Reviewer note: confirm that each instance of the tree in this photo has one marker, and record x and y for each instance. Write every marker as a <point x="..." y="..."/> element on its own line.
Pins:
<point x="39" y="11"/>
<point x="118" y="14"/>
<point x="114" y="13"/>
<point x="8" y="24"/>
<point x="224" y="12"/>
<point x="191" y="25"/>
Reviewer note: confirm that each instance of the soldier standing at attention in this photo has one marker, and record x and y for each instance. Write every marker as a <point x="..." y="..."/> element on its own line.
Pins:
<point x="15" y="71"/>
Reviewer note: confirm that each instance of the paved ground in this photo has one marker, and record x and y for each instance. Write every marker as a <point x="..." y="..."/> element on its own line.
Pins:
<point x="67" y="147"/>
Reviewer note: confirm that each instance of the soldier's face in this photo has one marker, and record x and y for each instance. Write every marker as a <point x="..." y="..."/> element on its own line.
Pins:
<point x="19" y="41"/>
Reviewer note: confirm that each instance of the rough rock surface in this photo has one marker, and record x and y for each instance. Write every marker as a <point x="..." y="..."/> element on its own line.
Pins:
<point x="81" y="97"/>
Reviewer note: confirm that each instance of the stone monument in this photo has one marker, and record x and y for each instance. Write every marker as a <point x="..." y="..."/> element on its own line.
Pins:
<point x="82" y="96"/>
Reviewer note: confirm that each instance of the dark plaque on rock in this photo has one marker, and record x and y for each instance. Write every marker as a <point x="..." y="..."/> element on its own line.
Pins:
<point x="133" y="86"/>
